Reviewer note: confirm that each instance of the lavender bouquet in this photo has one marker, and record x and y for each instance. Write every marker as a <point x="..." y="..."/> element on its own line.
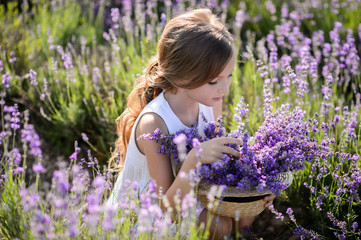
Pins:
<point x="282" y="144"/>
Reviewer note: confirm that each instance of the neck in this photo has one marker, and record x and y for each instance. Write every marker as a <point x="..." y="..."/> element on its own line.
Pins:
<point x="185" y="109"/>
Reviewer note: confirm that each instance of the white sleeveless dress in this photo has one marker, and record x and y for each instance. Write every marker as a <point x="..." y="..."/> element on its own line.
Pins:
<point x="136" y="166"/>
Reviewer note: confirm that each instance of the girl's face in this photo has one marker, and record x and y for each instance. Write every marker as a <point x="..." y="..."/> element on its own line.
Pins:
<point x="212" y="92"/>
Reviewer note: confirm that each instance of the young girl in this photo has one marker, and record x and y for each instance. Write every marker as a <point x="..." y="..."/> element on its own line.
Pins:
<point x="183" y="84"/>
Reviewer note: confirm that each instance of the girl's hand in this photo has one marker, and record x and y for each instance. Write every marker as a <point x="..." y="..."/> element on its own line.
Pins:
<point x="269" y="200"/>
<point x="213" y="150"/>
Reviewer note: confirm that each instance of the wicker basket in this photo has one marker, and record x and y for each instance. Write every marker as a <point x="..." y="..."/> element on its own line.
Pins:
<point x="248" y="202"/>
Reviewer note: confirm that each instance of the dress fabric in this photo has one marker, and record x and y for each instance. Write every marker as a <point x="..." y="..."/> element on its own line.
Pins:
<point x="136" y="166"/>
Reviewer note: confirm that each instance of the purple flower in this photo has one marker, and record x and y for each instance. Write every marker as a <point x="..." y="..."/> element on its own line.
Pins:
<point x="12" y="119"/>
<point x="72" y="231"/>
<point x="32" y="75"/>
<point x="115" y="15"/>
<point x="106" y="36"/>
<point x="163" y="19"/>
<point x="273" y="60"/>
<point x="108" y="219"/>
<point x="240" y="18"/>
<point x="38" y="168"/>
<point x="19" y="170"/>
<point x="95" y="78"/>
<point x="29" y="136"/>
<point x="99" y="181"/>
<point x="306" y="234"/>
<point x="80" y="180"/>
<point x="354" y="226"/>
<point x="73" y="156"/>
<point x="15" y="120"/>
<point x="29" y="201"/>
<point x="41" y="224"/>
<point x="268" y="99"/>
<point x="282" y="143"/>
<point x="6" y="81"/>
<point x="336" y="118"/>
<point x="197" y="145"/>
<point x="15" y="155"/>
<point x="61" y="182"/>
<point x="12" y="58"/>
<point x="341" y="224"/>
<point x="127" y="6"/>
<point x="180" y="141"/>
<point x="290" y="214"/>
<point x="66" y="57"/>
<point x="84" y="137"/>
<point x="271" y="7"/>
<point x="277" y="213"/>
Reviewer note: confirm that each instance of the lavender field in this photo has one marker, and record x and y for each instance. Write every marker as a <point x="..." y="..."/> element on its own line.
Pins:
<point x="67" y="67"/>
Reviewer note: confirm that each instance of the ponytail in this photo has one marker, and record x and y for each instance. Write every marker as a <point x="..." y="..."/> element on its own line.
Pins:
<point x="148" y="87"/>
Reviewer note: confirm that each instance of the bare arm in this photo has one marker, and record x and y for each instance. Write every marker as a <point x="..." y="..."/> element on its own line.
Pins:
<point x="159" y="165"/>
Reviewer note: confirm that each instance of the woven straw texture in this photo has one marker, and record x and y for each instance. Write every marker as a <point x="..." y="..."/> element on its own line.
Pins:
<point x="228" y="209"/>
<point x="246" y="209"/>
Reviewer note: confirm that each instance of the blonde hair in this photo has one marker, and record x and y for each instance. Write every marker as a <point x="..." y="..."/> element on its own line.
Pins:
<point x="194" y="49"/>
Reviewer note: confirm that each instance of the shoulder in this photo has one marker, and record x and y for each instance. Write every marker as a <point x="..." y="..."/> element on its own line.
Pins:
<point x="149" y="122"/>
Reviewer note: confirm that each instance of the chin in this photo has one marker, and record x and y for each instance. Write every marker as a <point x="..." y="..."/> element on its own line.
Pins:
<point x="209" y="104"/>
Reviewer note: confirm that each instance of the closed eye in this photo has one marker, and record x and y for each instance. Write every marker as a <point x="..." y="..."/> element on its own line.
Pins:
<point x="216" y="81"/>
<point x="212" y="83"/>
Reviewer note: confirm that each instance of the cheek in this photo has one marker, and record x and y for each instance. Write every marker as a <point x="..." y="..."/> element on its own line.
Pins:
<point x="229" y="82"/>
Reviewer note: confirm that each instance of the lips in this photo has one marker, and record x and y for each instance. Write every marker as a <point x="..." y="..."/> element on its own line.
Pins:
<point x="217" y="99"/>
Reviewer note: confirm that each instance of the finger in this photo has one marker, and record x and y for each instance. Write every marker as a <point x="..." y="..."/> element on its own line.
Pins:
<point x="231" y="151"/>
<point x="268" y="204"/>
<point x="269" y="198"/>
<point x="218" y="154"/>
<point x="272" y="197"/>
<point x="215" y="159"/>
<point x="230" y="140"/>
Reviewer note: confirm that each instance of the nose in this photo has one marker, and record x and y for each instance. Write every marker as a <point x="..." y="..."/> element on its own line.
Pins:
<point x="225" y="87"/>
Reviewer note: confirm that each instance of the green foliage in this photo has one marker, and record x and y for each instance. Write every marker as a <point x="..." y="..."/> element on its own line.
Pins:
<point x="89" y="95"/>
<point x="84" y="73"/>
<point x="14" y="223"/>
